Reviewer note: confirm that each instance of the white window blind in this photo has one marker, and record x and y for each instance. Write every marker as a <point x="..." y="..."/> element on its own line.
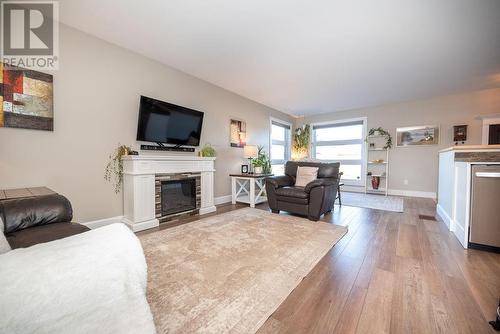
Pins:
<point x="341" y="142"/>
<point x="280" y="145"/>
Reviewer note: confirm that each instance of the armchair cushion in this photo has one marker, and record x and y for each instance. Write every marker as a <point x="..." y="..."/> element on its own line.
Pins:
<point x="292" y="192"/>
<point x="280" y="181"/>
<point x="325" y="170"/>
<point x="18" y="214"/>
<point x="319" y="183"/>
<point x="44" y="233"/>
<point x="292" y="195"/>
<point x="305" y="175"/>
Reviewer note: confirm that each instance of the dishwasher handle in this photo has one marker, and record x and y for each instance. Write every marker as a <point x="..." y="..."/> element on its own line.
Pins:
<point x="488" y="174"/>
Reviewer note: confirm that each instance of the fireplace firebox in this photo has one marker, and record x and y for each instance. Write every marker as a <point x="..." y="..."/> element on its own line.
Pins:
<point x="177" y="195"/>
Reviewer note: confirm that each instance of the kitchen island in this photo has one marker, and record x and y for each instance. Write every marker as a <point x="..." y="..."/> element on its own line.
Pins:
<point x="455" y="184"/>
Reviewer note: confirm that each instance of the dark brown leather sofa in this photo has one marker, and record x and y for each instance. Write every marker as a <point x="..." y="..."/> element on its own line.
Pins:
<point x="313" y="200"/>
<point x="33" y="220"/>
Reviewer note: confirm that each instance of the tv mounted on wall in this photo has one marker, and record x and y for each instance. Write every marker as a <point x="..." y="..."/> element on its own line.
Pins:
<point x="165" y="123"/>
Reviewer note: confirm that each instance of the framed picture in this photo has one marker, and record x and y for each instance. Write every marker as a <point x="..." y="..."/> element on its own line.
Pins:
<point x="26" y="99"/>
<point x="244" y="169"/>
<point x="417" y="136"/>
<point x="237" y="133"/>
<point x="460" y="133"/>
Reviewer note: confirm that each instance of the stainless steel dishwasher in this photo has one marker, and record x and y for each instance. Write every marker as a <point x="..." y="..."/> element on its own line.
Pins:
<point x="484" y="230"/>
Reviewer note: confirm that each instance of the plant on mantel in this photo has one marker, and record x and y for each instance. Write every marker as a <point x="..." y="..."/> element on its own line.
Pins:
<point x="301" y="139"/>
<point x="114" y="168"/>
<point x="208" y="151"/>
<point x="383" y="133"/>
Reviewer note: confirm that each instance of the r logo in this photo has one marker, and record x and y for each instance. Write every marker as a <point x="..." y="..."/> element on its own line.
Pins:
<point x="28" y="28"/>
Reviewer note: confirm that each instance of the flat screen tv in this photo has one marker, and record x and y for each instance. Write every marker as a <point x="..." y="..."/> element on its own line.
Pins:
<point x="166" y="123"/>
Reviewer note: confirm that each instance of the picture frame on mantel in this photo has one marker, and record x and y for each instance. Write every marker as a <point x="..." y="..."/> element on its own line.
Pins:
<point x="424" y="135"/>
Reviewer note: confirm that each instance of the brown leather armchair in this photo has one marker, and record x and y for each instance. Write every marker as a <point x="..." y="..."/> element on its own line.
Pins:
<point x="313" y="200"/>
<point x="33" y="220"/>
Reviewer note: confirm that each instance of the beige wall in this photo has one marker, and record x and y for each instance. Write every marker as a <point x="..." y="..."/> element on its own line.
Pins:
<point x="96" y="100"/>
<point x="419" y="165"/>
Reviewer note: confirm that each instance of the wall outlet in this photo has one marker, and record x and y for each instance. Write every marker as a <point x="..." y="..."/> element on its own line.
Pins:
<point x="405" y="182"/>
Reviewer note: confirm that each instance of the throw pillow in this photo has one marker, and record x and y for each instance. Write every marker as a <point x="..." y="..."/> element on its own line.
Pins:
<point x="4" y="244"/>
<point x="306" y="175"/>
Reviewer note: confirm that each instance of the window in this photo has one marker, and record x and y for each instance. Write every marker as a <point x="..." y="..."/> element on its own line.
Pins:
<point x="280" y="145"/>
<point x="343" y="142"/>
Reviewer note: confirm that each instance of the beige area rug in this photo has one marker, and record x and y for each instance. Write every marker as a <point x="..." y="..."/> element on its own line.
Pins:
<point x="370" y="201"/>
<point x="228" y="273"/>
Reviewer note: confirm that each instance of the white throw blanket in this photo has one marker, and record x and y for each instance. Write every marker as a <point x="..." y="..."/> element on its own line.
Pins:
<point x="93" y="282"/>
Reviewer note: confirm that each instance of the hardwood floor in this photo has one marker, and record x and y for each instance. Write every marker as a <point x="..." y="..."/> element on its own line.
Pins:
<point x="392" y="273"/>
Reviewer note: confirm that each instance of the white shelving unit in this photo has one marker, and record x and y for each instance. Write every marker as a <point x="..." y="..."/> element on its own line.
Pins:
<point x="380" y="169"/>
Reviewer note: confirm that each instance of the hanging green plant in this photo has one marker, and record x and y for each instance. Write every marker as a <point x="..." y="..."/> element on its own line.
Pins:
<point x="381" y="132"/>
<point x="301" y="139"/>
<point x="114" y="168"/>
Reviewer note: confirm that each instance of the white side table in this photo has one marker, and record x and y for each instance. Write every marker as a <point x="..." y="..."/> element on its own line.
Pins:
<point x="248" y="188"/>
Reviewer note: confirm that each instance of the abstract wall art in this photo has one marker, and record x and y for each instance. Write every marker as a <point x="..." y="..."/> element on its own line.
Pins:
<point x="26" y="99"/>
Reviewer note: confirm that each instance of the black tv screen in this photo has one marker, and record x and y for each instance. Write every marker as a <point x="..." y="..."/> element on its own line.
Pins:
<point x="162" y="122"/>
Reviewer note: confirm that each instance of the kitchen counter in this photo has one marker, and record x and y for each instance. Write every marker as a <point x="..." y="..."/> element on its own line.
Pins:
<point x="454" y="184"/>
<point x="478" y="156"/>
<point x="472" y="148"/>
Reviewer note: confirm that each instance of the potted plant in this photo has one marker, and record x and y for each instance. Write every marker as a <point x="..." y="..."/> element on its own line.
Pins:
<point x="258" y="165"/>
<point x="261" y="164"/>
<point x="114" y="168"/>
<point x="208" y="151"/>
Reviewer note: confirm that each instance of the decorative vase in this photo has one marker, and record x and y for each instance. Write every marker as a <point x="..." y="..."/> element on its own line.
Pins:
<point x="257" y="170"/>
<point x="375" y="182"/>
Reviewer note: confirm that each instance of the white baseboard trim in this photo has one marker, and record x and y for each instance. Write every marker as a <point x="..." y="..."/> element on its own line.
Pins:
<point x="136" y="227"/>
<point x="460" y="233"/>
<point x="412" y="193"/>
<point x="222" y="199"/>
<point x="204" y="211"/>
<point x="103" y="222"/>
<point x="444" y="216"/>
<point x="352" y="189"/>
<point x="141" y="226"/>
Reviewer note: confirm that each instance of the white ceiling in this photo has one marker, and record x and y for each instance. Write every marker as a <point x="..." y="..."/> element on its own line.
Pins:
<point x="306" y="57"/>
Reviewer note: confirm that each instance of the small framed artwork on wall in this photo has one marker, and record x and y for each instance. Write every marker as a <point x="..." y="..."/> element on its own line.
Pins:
<point x="26" y="99"/>
<point x="238" y="133"/>
<point x="417" y="136"/>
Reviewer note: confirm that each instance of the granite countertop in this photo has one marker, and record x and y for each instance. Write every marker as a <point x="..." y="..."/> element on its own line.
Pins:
<point x="478" y="156"/>
<point x="478" y="148"/>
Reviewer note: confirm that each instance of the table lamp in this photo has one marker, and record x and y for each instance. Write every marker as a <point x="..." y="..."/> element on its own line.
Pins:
<point x="250" y="152"/>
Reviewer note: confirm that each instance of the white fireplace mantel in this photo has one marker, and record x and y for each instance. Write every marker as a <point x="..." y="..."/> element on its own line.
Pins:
<point x="139" y="185"/>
